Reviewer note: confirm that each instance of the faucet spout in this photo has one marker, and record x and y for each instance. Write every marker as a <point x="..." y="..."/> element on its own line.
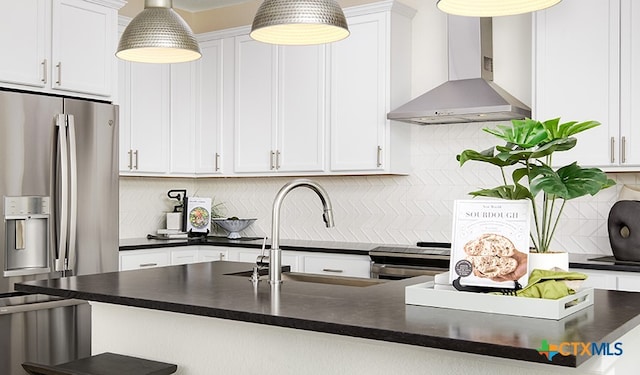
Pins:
<point x="275" y="256"/>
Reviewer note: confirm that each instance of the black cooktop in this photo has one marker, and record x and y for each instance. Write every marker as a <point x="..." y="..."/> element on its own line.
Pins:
<point x="613" y="260"/>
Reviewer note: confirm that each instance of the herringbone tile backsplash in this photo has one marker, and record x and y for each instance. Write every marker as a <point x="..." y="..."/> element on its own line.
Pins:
<point x="370" y="209"/>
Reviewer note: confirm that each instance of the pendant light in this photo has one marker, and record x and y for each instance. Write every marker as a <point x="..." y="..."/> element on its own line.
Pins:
<point x="492" y="8"/>
<point x="158" y="35"/>
<point x="299" y="22"/>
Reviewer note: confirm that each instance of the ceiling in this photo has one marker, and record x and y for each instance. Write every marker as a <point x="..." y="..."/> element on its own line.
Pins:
<point x="199" y="5"/>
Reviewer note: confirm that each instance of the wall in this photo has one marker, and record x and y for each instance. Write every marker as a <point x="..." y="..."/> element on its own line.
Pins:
<point x="390" y="209"/>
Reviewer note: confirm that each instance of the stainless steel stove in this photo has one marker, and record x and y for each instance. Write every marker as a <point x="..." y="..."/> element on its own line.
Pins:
<point x="401" y="262"/>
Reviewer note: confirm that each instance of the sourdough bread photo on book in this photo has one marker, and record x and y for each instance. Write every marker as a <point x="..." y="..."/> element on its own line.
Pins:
<point x="490" y="243"/>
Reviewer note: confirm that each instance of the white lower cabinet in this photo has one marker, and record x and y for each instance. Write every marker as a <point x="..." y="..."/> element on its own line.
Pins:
<point x="337" y="264"/>
<point x="612" y="280"/>
<point x="148" y="258"/>
<point x="212" y="253"/>
<point x="184" y="255"/>
<point x="629" y="282"/>
<point x="599" y="279"/>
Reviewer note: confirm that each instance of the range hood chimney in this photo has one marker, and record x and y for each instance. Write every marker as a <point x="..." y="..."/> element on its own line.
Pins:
<point x="470" y="95"/>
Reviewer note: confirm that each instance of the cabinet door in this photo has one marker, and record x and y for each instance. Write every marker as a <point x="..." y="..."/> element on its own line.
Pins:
<point x="598" y="279"/>
<point x="629" y="282"/>
<point x="254" y="106"/>
<point x="577" y="75"/>
<point x="183" y="118"/>
<point x="630" y="81"/>
<point x="149" y="116"/>
<point x="301" y="108"/>
<point x="83" y="44"/>
<point x="139" y="259"/>
<point x="208" y="143"/>
<point x="358" y="86"/>
<point x="24" y="35"/>
<point x="338" y="264"/>
<point x="184" y="255"/>
<point x="213" y="254"/>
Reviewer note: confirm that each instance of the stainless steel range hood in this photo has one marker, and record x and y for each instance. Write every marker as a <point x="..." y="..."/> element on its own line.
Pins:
<point x="470" y="95"/>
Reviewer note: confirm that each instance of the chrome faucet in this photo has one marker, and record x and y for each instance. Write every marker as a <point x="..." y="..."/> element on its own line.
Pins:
<point x="275" y="255"/>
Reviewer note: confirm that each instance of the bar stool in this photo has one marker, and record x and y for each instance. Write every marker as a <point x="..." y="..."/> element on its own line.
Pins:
<point x="103" y="364"/>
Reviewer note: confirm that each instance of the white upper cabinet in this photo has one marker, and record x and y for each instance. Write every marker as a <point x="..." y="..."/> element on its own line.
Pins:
<point x="66" y="45"/>
<point x="584" y="52"/>
<point x="209" y="155"/>
<point x="301" y="111"/>
<point x="630" y="84"/>
<point x="144" y="118"/>
<point x="28" y="59"/>
<point x="370" y="75"/>
<point x="358" y="110"/>
<point x="255" y="111"/>
<point x="279" y="107"/>
<point x="182" y="123"/>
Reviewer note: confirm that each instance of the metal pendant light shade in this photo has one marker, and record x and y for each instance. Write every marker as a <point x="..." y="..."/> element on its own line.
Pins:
<point x="493" y="8"/>
<point x="299" y="22"/>
<point x="158" y="35"/>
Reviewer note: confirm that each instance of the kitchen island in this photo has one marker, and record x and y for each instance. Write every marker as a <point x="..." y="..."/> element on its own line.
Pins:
<point x="207" y="321"/>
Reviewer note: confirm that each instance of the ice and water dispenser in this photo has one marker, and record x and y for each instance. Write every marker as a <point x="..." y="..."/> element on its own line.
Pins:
<point x="27" y="235"/>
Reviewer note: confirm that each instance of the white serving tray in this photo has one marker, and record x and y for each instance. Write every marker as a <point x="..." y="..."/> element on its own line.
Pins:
<point x="424" y="294"/>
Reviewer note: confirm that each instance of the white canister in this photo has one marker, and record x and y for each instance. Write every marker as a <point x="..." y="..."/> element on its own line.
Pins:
<point x="174" y="220"/>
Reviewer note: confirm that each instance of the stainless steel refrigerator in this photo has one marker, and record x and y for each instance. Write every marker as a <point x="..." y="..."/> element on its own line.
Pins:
<point x="59" y="191"/>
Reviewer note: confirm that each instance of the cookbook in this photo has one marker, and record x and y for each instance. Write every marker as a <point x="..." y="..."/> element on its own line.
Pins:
<point x="198" y="215"/>
<point x="490" y="243"/>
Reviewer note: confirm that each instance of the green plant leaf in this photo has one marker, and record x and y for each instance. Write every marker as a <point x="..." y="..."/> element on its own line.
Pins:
<point x="567" y="129"/>
<point x="568" y="182"/>
<point x="524" y="133"/>
<point x="509" y="192"/>
<point x="483" y="156"/>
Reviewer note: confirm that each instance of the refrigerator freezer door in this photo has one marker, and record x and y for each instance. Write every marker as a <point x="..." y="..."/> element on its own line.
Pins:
<point x="26" y="134"/>
<point x="95" y="127"/>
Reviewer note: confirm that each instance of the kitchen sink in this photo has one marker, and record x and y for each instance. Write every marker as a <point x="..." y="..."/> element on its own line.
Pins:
<point x="318" y="279"/>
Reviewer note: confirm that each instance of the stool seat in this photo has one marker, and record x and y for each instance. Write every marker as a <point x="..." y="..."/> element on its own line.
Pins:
<point x="103" y="364"/>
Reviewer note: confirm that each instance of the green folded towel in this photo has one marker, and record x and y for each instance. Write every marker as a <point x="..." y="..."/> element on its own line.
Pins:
<point x="549" y="284"/>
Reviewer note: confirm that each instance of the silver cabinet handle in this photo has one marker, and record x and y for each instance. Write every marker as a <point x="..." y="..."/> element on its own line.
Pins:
<point x="277" y="159"/>
<point x="613" y="145"/>
<point x="332" y="270"/>
<point x="44" y="71"/>
<point x="271" y="157"/>
<point x="130" y="159"/>
<point x="217" y="162"/>
<point x="59" y="66"/>
<point x="379" y="157"/>
<point x="623" y="146"/>
<point x="136" y="155"/>
<point x="148" y="264"/>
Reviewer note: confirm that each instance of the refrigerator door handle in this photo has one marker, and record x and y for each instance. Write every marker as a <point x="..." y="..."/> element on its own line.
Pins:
<point x="73" y="194"/>
<point x="63" y="194"/>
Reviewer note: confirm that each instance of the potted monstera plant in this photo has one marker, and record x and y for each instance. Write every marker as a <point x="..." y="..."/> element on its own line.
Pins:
<point x="525" y="161"/>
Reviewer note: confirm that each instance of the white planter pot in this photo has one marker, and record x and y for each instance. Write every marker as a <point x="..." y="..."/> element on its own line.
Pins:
<point x="549" y="260"/>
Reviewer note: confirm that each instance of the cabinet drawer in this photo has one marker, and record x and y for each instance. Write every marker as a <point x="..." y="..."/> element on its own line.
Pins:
<point x="346" y="265"/>
<point x="184" y="256"/>
<point x="629" y="283"/>
<point x="212" y="255"/>
<point x="137" y="260"/>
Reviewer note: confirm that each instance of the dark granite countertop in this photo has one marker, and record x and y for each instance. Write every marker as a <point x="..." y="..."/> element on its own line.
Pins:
<point x="375" y="312"/>
<point x="583" y="261"/>
<point x="355" y="248"/>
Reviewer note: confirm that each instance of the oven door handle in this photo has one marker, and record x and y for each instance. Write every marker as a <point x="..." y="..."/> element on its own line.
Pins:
<point x="378" y="269"/>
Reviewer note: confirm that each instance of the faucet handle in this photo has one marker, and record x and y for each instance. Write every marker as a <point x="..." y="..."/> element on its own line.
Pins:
<point x="262" y="261"/>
